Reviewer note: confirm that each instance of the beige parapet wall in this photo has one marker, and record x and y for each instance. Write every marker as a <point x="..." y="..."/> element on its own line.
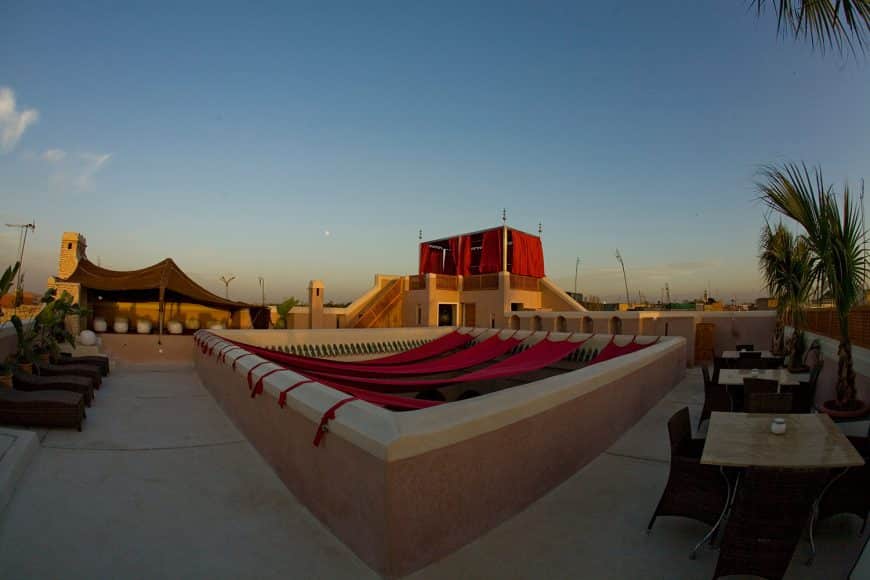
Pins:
<point x="405" y="489"/>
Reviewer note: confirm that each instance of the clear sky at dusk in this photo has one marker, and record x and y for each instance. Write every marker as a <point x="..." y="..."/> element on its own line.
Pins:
<point x="232" y="137"/>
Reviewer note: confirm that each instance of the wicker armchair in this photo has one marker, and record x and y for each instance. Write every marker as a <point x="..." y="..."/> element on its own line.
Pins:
<point x="716" y="397"/>
<point x="31" y="383"/>
<point x="89" y="371"/>
<point x="768" y="517"/>
<point x="749" y="354"/>
<point x="769" y="403"/>
<point x="751" y="385"/>
<point x="694" y="491"/>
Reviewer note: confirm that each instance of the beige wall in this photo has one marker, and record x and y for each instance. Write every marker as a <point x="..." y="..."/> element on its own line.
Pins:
<point x="428" y="482"/>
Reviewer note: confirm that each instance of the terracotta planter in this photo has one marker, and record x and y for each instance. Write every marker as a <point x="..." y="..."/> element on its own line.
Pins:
<point x="26" y="368"/>
<point x="44" y="358"/>
<point x="6" y="381"/>
<point x="830" y="408"/>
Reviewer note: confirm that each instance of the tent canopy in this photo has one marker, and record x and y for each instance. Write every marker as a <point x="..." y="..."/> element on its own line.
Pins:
<point x="481" y="253"/>
<point x="165" y="277"/>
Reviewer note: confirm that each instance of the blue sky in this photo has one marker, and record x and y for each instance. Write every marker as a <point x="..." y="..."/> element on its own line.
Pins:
<point x="232" y="137"/>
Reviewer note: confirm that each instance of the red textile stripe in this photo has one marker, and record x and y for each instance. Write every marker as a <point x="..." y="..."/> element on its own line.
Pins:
<point x="251" y="373"/>
<point x="282" y="398"/>
<point x="537" y="356"/>
<point x="241" y="356"/>
<point x="222" y="354"/>
<point x="327" y="417"/>
<point x="258" y="387"/>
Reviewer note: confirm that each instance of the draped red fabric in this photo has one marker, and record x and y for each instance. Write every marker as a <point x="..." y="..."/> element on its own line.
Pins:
<point x="463" y="266"/>
<point x="451" y="261"/>
<point x="436" y="347"/>
<point x="491" y="253"/>
<point x="544" y="353"/>
<point x="480" y="353"/>
<point x="424" y="258"/>
<point x="528" y="255"/>
<point x="612" y="350"/>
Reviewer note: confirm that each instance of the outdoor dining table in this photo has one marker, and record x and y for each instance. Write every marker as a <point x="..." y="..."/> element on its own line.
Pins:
<point x="734" y="377"/>
<point x="811" y="441"/>
<point x="736" y="353"/>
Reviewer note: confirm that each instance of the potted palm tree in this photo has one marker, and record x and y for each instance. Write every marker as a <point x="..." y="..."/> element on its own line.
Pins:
<point x="786" y="266"/>
<point x="836" y="241"/>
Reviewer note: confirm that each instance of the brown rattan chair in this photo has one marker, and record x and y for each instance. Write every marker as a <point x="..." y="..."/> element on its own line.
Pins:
<point x="29" y="382"/>
<point x="720" y="363"/>
<point x="769" y="403"/>
<point x="768" y="517"/>
<point x="695" y="491"/>
<point x="90" y="371"/>
<point x="747" y="363"/>
<point x="773" y="362"/>
<point x="804" y="393"/>
<point x="753" y="385"/>
<point x="749" y="354"/>
<point x="42" y="409"/>
<point x="716" y="397"/>
<point x="102" y="362"/>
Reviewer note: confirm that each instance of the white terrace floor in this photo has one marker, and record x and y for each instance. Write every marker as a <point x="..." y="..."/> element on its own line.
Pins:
<point x="160" y="484"/>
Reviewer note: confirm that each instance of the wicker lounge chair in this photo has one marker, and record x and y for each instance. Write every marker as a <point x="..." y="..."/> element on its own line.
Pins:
<point x="99" y="361"/>
<point x="74" y="384"/>
<point x="767" y="520"/>
<point x="42" y="409"/>
<point x="87" y="371"/>
<point x="749" y="354"/>
<point x="694" y="491"/>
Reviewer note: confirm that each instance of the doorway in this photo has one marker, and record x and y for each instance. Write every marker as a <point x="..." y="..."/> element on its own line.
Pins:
<point x="447" y="315"/>
<point x="470" y="310"/>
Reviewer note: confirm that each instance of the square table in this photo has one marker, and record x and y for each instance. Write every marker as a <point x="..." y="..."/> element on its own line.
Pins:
<point x="811" y="441"/>
<point x="736" y="353"/>
<point x="734" y="377"/>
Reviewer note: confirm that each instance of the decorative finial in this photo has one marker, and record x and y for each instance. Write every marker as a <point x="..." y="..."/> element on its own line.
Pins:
<point x="540" y="229"/>
<point x="504" y="215"/>
<point x="420" y="235"/>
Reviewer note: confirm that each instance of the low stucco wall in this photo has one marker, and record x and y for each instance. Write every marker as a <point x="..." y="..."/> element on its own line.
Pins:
<point x="140" y="349"/>
<point x="404" y="489"/>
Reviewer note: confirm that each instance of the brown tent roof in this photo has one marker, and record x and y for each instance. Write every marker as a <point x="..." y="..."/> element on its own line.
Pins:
<point x="164" y="275"/>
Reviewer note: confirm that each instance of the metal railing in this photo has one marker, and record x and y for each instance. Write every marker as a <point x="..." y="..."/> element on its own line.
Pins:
<point x="445" y="282"/>
<point x="417" y="282"/>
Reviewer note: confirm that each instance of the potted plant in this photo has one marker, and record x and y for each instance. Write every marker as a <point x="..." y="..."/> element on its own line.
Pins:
<point x="6" y="369"/>
<point x="836" y="239"/>
<point x="786" y="266"/>
<point x="24" y="354"/>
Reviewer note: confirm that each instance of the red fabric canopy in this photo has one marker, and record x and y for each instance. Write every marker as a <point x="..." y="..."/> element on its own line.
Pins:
<point x="436" y="347"/>
<point x="538" y="356"/>
<point x="527" y="255"/>
<point x="612" y="350"/>
<point x="491" y="252"/>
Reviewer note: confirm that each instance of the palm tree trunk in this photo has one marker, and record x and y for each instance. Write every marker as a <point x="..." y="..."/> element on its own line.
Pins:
<point x="845" y="367"/>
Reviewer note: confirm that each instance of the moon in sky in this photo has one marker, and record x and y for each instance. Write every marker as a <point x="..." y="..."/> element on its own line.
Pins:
<point x="327" y="233"/>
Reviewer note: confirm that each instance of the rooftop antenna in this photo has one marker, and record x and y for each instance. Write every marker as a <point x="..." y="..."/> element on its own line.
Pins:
<point x="576" y="272"/>
<point x="262" y="282"/>
<point x="22" y="241"/>
<point x="226" y="282"/>
<point x="420" y="235"/>
<point x="668" y="293"/>
<point x="624" y="276"/>
<point x="540" y="229"/>
<point x="504" y="215"/>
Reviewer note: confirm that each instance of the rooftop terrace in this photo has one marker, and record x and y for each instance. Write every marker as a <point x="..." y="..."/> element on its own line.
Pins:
<point x="160" y="483"/>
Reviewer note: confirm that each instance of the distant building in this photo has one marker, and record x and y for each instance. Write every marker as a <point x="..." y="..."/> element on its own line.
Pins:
<point x="765" y="303"/>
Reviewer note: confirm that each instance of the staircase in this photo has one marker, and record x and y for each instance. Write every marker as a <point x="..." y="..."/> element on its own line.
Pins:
<point x="375" y="315"/>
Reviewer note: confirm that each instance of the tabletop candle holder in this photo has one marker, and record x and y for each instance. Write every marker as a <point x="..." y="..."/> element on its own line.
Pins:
<point x="777" y="426"/>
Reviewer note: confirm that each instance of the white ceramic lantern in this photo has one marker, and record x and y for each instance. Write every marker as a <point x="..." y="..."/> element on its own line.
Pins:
<point x="121" y="326"/>
<point x="192" y="324"/>
<point x="100" y="324"/>
<point x="174" y="327"/>
<point x="216" y="326"/>
<point x="88" y="338"/>
<point x="143" y="326"/>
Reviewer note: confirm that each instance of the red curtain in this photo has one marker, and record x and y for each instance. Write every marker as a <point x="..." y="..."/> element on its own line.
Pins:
<point x="490" y="255"/>
<point x="424" y="258"/>
<point x="451" y="263"/>
<point x="463" y="266"/>
<point x="528" y="255"/>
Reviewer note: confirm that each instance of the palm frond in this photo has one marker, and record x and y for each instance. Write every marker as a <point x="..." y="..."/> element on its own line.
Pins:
<point x="834" y="24"/>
